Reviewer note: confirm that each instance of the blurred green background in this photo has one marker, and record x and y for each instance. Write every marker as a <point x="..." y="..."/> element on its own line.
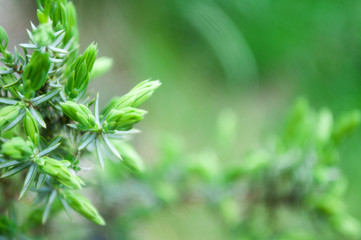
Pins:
<point x="252" y="58"/>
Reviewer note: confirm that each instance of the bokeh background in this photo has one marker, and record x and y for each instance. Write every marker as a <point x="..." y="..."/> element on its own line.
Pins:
<point x="248" y="59"/>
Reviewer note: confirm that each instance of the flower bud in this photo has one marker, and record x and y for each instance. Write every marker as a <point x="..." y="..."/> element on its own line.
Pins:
<point x="4" y="40"/>
<point x="84" y="207"/>
<point x="59" y="171"/>
<point x="135" y="97"/>
<point x="78" y="81"/>
<point x="346" y="125"/>
<point x="8" y="114"/>
<point x="79" y="113"/>
<point x="17" y="148"/>
<point x="58" y="16"/>
<point x="31" y="127"/>
<point x="43" y="35"/>
<point x="90" y="55"/>
<point x="131" y="158"/>
<point x="101" y="66"/>
<point x="36" y="72"/>
<point x="123" y="119"/>
<point x="143" y="91"/>
<point x="71" y="29"/>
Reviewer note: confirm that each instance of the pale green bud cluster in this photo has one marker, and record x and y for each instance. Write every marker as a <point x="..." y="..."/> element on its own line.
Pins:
<point x="80" y="114"/>
<point x="8" y="114"/>
<point x="59" y="171"/>
<point x="83" y="206"/>
<point x="36" y="72"/>
<point x="17" y="148"/>
<point x="123" y="120"/>
<point x="62" y="15"/>
<point x="139" y="94"/>
<point x="43" y="35"/>
<point x="80" y="70"/>
<point x="31" y="128"/>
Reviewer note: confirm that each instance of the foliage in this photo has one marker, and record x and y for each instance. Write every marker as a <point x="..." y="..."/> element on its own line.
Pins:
<point x="290" y="188"/>
<point x="47" y="127"/>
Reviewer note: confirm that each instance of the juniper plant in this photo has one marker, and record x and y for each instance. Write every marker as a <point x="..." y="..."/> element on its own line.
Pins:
<point x="46" y="122"/>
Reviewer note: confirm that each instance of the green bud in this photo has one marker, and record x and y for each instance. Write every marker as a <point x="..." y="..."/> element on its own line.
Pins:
<point x="79" y="113"/>
<point x="90" y="55"/>
<point x="31" y="128"/>
<point x="101" y="66"/>
<point x="4" y="40"/>
<point x="135" y="97"/>
<point x="44" y="35"/>
<point x="325" y="124"/>
<point x="17" y="148"/>
<point x="8" y="114"/>
<point x="59" y="171"/>
<point x="130" y="157"/>
<point x="78" y="81"/>
<point x="123" y="119"/>
<point x="36" y="72"/>
<point x="84" y="207"/>
<point x="58" y="16"/>
<point x="346" y="125"/>
<point x="71" y="31"/>
<point x="119" y="103"/>
<point x="143" y="91"/>
<point x="42" y="17"/>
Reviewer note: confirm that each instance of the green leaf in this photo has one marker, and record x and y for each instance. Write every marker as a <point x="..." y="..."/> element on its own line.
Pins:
<point x="65" y="206"/>
<point x="86" y="141"/>
<point x="37" y="117"/>
<point x="16" y="169"/>
<point x="9" y="164"/>
<point x="99" y="153"/>
<point x="111" y="147"/>
<point x="49" y="149"/>
<point x="8" y="101"/>
<point x="48" y="206"/>
<point x="29" y="179"/>
<point x="46" y="97"/>
<point x="16" y="120"/>
<point x="41" y="180"/>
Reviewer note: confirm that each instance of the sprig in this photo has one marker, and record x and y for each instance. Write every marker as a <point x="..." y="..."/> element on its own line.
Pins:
<point x="43" y="100"/>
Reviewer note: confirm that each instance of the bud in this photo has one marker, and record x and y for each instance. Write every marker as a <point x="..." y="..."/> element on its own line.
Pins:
<point x="84" y="207"/>
<point x="17" y="148"/>
<point x="143" y="91"/>
<point x="43" y="35"/>
<point x="346" y="126"/>
<point x="78" y="81"/>
<point x="31" y="127"/>
<point x="58" y="16"/>
<point x="130" y="157"/>
<point x="79" y="113"/>
<point x="90" y="55"/>
<point x="42" y="17"/>
<point x="101" y="66"/>
<point x="139" y="94"/>
<point x="4" y="40"/>
<point x="36" y="72"/>
<point x="123" y="119"/>
<point x="8" y="114"/>
<point x="71" y="29"/>
<point x="59" y="171"/>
